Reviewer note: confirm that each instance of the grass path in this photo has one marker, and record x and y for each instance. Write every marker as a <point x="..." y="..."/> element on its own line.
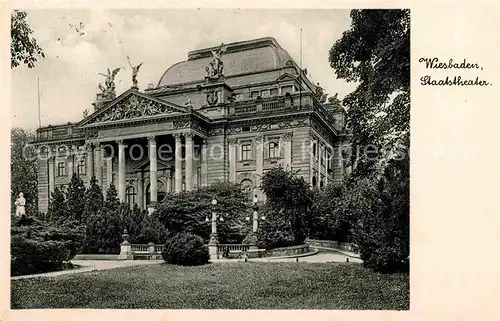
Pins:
<point x="250" y="285"/>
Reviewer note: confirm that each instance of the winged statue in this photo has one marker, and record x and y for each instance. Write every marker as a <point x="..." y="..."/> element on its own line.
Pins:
<point x="108" y="90"/>
<point x="216" y="65"/>
<point x="135" y="71"/>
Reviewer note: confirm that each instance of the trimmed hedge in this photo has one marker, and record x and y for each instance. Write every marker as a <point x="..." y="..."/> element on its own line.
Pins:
<point x="185" y="249"/>
<point x="30" y="256"/>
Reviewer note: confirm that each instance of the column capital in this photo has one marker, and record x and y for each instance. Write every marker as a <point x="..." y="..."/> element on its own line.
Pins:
<point x="288" y="136"/>
<point x="89" y="145"/>
<point x="120" y="142"/>
<point x="259" y="139"/>
<point x="152" y="139"/>
<point x="189" y="135"/>
<point x="177" y="136"/>
<point x="232" y="141"/>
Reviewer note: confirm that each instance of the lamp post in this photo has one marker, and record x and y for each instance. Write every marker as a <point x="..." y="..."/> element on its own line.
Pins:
<point x="212" y="244"/>
<point x="255" y="222"/>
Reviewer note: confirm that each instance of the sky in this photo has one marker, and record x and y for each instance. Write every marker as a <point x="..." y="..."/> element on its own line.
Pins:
<point x="74" y="56"/>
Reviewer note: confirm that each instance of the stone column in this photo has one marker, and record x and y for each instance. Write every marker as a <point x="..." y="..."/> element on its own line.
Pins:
<point x="259" y="158"/>
<point x="178" y="163"/>
<point x="121" y="171"/>
<point x="204" y="164"/>
<point x="287" y="148"/>
<point x="232" y="159"/>
<point x="50" y="162"/>
<point x="327" y="161"/>
<point x="71" y="164"/>
<point x="311" y="161"/>
<point x="99" y="164"/>
<point x="169" y="181"/>
<point x="109" y="171"/>
<point x="90" y="162"/>
<point x="189" y="161"/>
<point x="140" y="190"/>
<point x="153" y="170"/>
<point x="318" y="160"/>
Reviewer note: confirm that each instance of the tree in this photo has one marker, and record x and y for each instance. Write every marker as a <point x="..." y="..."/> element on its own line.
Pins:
<point x="76" y="198"/>
<point x="23" y="169"/>
<point x="290" y="196"/>
<point x="187" y="212"/>
<point x="382" y="232"/>
<point x="58" y="209"/>
<point x="105" y="227"/>
<point x="94" y="200"/>
<point x="375" y="52"/>
<point x="24" y="47"/>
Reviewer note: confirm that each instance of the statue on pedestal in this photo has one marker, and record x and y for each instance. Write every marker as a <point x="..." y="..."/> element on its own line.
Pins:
<point x="20" y="204"/>
<point x="108" y="91"/>
<point x="216" y="67"/>
<point x="135" y="71"/>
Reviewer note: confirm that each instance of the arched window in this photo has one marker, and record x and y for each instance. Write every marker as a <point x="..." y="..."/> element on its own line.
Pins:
<point x="130" y="195"/>
<point x="314" y="181"/>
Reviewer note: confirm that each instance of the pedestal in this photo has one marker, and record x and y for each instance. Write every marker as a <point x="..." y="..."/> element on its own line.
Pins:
<point x="212" y="247"/>
<point x="126" y="251"/>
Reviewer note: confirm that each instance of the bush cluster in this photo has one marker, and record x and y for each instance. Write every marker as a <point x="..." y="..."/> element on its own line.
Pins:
<point x="39" y="246"/>
<point x="185" y="249"/>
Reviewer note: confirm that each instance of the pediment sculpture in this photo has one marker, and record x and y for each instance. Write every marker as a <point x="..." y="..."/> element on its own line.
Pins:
<point x="134" y="107"/>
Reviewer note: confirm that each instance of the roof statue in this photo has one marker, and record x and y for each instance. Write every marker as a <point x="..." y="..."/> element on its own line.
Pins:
<point x="320" y="93"/>
<point x="108" y="90"/>
<point x="135" y="71"/>
<point x="216" y="66"/>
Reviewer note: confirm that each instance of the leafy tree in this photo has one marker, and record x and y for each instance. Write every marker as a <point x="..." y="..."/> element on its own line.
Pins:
<point x="76" y="198"/>
<point x="58" y="209"/>
<point x="23" y="48"/>
<point x="152" y="230"/>
<point x="275" y="231"/>
<point x="382" y="232"/>
<point x="187" y="212"/>
<point x="94" y="200"/>
<point x="289" y="196"/>
<point x="23" y="169"/>
<point x="375" y="52"/>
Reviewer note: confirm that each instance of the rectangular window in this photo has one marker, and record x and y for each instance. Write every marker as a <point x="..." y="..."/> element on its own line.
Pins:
<point x="314" y="149"/>
<point x="254" y="94"/>
<point x="273" y="92"/>
<point x="273" y="150"/>
<point x="61" y="169"/>
<point x="246" y="152"/>
<point x="80" y="167"/>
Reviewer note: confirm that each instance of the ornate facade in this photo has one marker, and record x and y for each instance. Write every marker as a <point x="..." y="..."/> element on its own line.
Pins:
<point x="226" y="113"/>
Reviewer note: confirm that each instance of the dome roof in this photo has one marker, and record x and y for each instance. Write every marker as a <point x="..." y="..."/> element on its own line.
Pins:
<point x="240" y="58"/>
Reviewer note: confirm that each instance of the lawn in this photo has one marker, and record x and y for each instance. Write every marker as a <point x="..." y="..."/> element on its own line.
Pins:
<point x="250" y="285"/>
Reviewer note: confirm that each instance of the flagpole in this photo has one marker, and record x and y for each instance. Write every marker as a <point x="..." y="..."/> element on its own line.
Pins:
<point x="300" y="73"/>
<point x="38" y="91"/>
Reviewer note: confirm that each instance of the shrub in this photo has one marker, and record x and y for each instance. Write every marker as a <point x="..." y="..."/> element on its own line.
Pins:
<point x="275" y="231"/>
<point x="32" y="256"/>
<point x="185" y="249"/>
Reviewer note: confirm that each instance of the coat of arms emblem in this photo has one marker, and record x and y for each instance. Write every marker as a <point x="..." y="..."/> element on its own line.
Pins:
<point x="212" y="98"/>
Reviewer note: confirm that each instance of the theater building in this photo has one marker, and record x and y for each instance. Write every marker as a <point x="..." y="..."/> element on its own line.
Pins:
<point x="229" y="113"/>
